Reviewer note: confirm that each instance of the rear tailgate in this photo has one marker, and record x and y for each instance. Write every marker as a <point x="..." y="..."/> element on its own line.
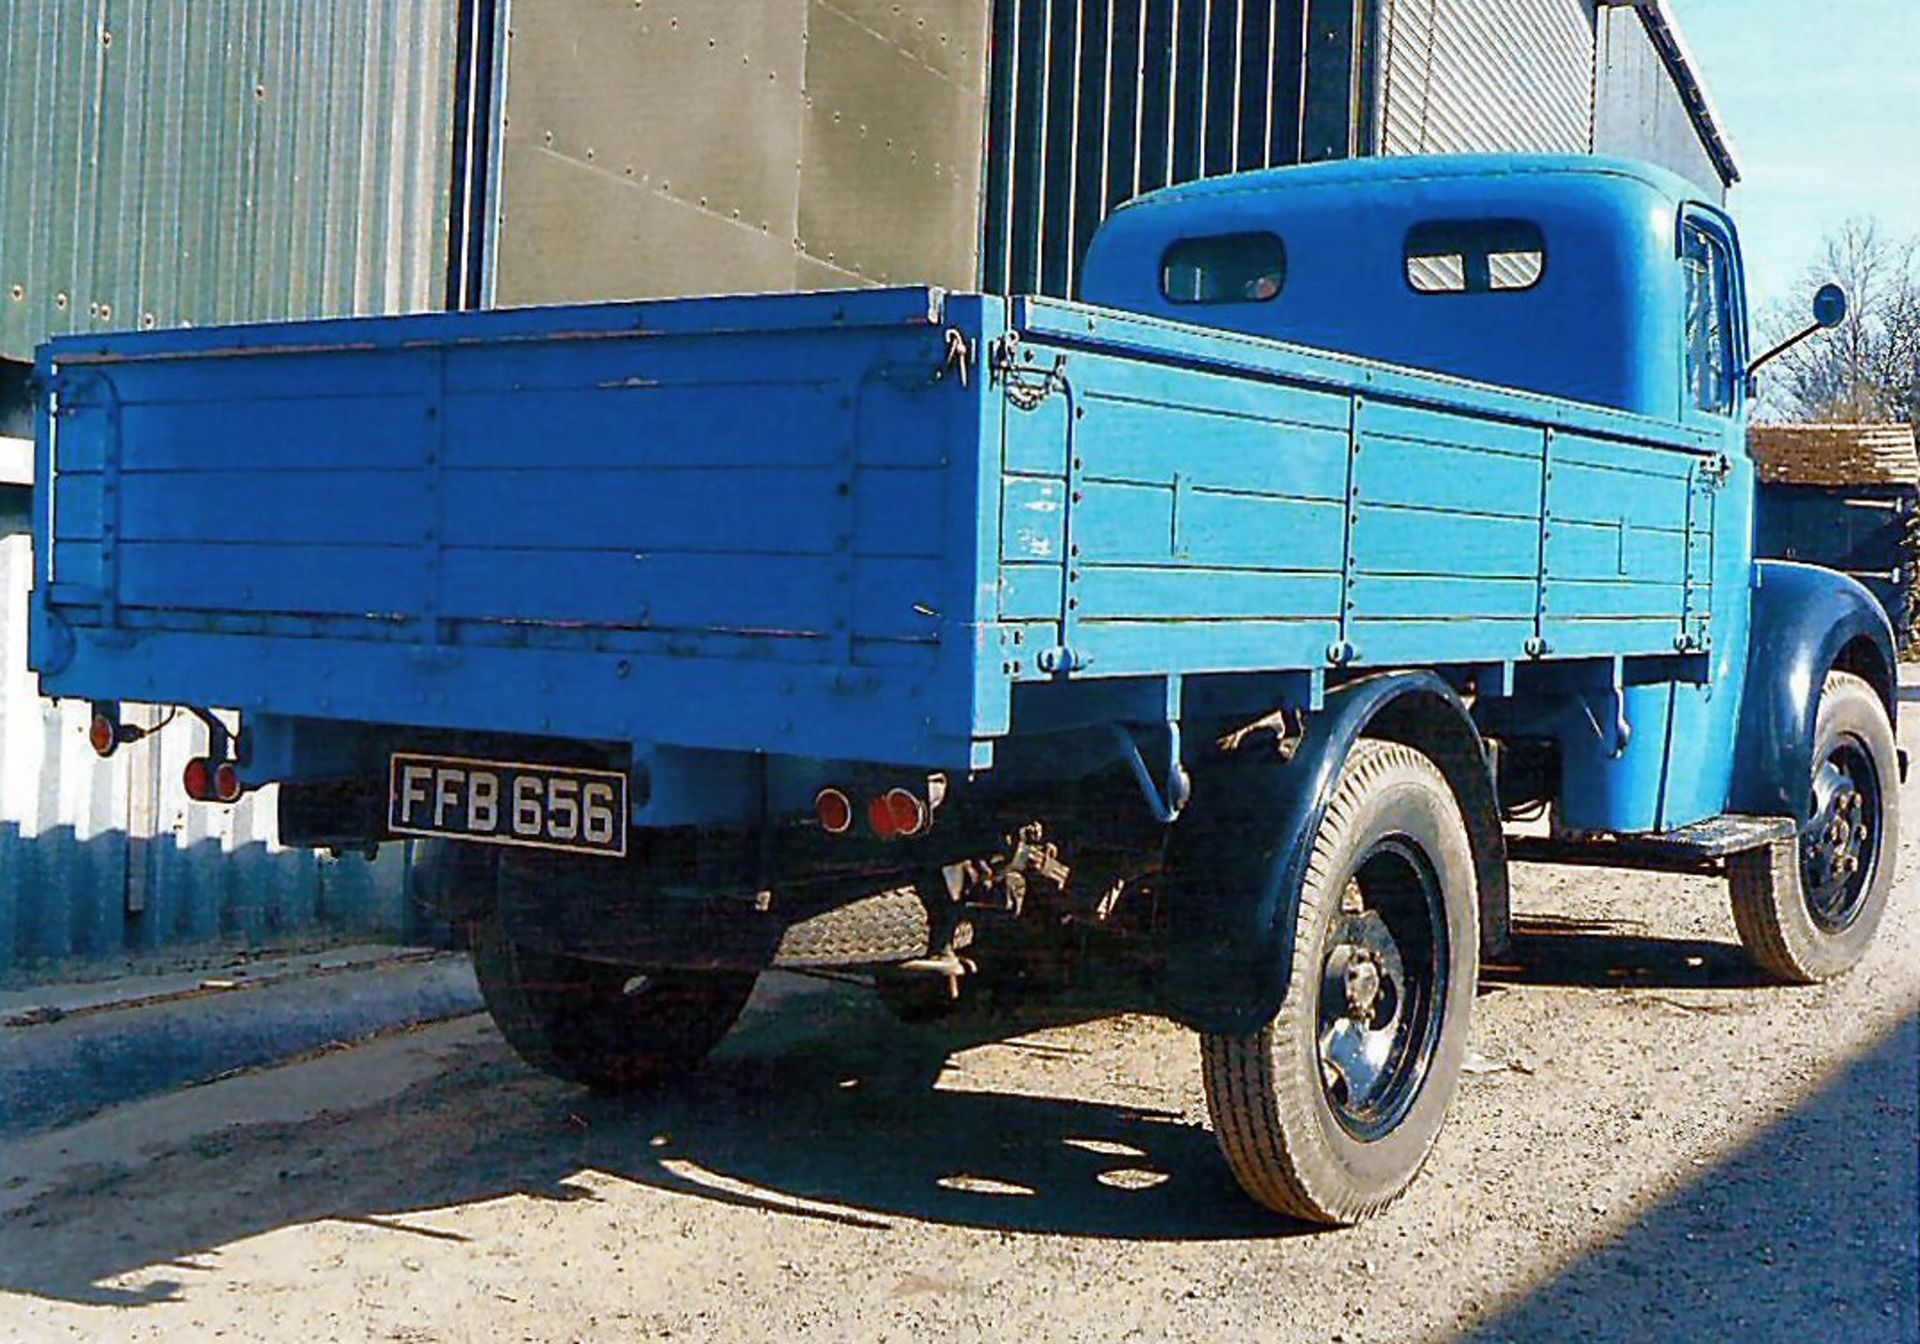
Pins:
<point x="744" y="524"/>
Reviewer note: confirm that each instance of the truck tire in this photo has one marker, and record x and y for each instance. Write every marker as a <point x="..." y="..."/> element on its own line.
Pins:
<point x="1329" y="1111"/>
<point x="606" y="1027"/>
<point x="1807" y="909"/>
<point x="453" y="880"/>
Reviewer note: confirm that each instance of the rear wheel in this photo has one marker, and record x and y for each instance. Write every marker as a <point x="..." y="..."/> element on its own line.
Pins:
<point x="610" y="1028"/>
<point x="1329" y="1111"/>
<point x="1808" y="909"/>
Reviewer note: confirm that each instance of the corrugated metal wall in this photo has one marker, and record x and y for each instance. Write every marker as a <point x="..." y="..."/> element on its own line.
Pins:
<point x="1461" y="76"/>
<point x="169" y="163"/>
<point x="165" y="163"/>
<point x="752" y="145"/>
<point x="1638" y="112"/>
<point x="1096" y="101"/>
<point x="99" y="860"/>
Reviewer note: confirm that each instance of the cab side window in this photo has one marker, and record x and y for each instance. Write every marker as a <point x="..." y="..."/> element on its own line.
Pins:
<point x="1224" y="268"/>
<point x="1709" y="319"/>
<point x="1475" y="256"/>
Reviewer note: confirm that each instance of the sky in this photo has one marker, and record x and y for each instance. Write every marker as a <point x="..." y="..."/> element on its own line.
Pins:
<point x="1822" y="101"/>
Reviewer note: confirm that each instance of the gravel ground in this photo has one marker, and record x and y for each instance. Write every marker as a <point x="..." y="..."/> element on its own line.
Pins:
<point x="1649" y="1145"/>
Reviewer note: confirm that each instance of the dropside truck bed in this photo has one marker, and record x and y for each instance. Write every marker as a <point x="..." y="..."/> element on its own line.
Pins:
<point x="846" y="527"/>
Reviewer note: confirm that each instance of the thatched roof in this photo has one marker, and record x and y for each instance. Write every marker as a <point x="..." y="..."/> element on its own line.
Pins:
<point x="1835" y="455"/>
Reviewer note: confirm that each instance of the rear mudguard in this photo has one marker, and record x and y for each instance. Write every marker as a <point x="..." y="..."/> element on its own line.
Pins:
<point x="1806" y="622"/>
<point x="1237" y="857"/>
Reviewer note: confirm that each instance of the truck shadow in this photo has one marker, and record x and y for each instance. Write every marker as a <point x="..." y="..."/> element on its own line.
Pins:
<point x="1807" y="1231"/>
<point x="823" y="1109"/>
<point x="827" y="1113"/>
<point x="1597" y="954"/>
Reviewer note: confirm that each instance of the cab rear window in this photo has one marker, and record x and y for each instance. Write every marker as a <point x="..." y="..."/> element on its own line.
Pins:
<point x="1475" y="256"/>
<point x="1225" y="268"/>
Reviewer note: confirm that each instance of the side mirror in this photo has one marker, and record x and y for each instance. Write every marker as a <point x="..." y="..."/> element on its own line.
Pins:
<point x="1830" y="306"/>
<point x="1829" y="311"/>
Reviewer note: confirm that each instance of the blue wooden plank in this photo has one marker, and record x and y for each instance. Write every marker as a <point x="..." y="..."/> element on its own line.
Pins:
<point x="1443" y="476"/>
<point x="650" y="427"/>
<point x="1104" y="380"/>
<point x="77" y="503"/>
<point x="898" y="512"/>
<point x="357" y="580"/>
<point x="1036" y="439"/>
<point x="660" y="360"/>
<point x="1034" y="519"/>
<point x="903" y="599"/>
<point x="913" y="710"/>
<point x="1425" y="425"/>
<point x="899" y="307"/>
<point x="221" y="431"/>
<point x="1604" y="638"/>
<point x="1136" y="441"/>
<point x="903" y="419"/>
<point x="1426" y="643"/>
<point x="324" y="371"/>
<point x="1607" y="495"/>
<point x="1427" y="596"/>
<point x="1030" y="592"/>
<point x="1192" y="593"/>
<point x="290" y="506"/>
<point x="662" y="590"/>
<point x="1147" y="648"/>
<point x="770" y="511"/>
<point x="1388" y="540"/>
<point x="1133" y="524"/>
<point x="888" y="598"/>
<point x="1056" y="323"/>
<point x="1643" y="459"/>
<point x="1614" y="551"/>
<point x="1618" y="598"/>
<point x="79" y="563"/>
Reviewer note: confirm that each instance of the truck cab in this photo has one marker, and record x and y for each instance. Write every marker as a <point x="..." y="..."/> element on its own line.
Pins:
<point x="1361" y="528"/>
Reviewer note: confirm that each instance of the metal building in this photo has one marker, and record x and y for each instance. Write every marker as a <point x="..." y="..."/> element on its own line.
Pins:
<point x="237" y="160"/>
<point x="165" y="164"/>
<point x="816" y="143"/>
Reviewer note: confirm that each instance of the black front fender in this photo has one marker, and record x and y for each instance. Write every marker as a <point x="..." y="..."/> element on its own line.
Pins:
<point x="1237" y="857"/>
<point x="1807" y="621"/>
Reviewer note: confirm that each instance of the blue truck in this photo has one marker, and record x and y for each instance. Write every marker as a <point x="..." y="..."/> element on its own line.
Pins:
<point x="1358" y="515"/>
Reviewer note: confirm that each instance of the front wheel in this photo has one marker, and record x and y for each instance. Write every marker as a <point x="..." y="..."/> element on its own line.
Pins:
<point x="608" y="1027"/>
<point x="1808" y="909"/>
<point x="1329" y="1111"/>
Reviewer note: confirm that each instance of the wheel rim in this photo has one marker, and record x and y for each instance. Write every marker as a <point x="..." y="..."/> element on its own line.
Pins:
<point x="1383" y="987"/>
<point x="1841" y="845"/>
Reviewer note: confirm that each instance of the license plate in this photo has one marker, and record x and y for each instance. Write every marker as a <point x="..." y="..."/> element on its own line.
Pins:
<point x="509" y="803"/>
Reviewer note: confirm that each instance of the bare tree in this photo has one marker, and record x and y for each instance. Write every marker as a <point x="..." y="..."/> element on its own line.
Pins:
<point x="1867" y="370"/>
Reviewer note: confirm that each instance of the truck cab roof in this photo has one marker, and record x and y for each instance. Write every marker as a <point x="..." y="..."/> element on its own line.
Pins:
<point x="1557" y="274"/>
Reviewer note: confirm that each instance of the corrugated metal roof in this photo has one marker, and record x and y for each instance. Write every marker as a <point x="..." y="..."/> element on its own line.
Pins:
<point x="1664" y="30"/>
<point x="1834" y="455"/>
<point x="167" y="164"/>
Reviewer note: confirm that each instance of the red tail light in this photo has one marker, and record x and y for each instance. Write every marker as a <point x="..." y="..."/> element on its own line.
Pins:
<point x="198" y="779"/>
<point x="910" y="814"/>
<point x="227" y="787"/>
<point x="834" y="811"/>
<point x="897" y="815"/>
<point x="103" y="735"/>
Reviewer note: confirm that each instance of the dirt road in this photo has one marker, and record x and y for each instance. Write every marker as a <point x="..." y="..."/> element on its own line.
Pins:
<point x="1650" y="1146"/>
